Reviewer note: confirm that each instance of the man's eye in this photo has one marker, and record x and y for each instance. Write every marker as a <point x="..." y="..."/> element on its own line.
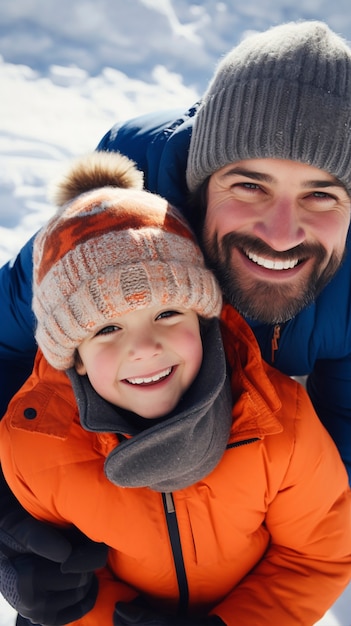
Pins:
<point x="322" y="194"/>
<point x="250" y="185"/>
<point x="245" y="187"/>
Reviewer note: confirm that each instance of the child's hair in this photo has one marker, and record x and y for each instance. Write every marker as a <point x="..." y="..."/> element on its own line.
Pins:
<point x="112" y="248"/>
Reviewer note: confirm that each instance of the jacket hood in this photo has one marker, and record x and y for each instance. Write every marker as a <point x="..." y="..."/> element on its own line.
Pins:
<point x="181" y="449"/>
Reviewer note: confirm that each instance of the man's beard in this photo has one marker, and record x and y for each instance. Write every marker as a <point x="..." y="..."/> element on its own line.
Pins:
<point x="267" y="301"/>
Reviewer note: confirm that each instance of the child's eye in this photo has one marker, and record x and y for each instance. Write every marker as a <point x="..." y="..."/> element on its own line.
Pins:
<point x="107" y="330"/>
<point x="167" y="314"/>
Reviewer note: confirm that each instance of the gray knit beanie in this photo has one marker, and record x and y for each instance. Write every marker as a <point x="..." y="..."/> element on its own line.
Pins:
<point x="284" y="93"/>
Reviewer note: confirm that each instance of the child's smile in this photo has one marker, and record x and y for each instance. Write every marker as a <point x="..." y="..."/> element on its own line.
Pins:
<point x="145" y="360"/>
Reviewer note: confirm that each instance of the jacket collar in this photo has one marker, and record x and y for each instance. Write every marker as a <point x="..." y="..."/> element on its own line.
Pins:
<point x="255" y="399"/>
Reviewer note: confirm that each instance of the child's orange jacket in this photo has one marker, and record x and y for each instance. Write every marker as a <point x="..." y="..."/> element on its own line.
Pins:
<point x="264" y="539"/>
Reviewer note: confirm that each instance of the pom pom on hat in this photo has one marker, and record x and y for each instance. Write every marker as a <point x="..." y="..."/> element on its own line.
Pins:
<point x="285" y="94"/>
<point x="110" y="249"/>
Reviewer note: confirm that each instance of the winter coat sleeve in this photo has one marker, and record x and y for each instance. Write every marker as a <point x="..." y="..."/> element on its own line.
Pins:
<point x="135" y="137"/>
<point x="17" y="343"/>
<point x="158" y="144"/>
<point x="329" y="383"/>
<point x="329" y="387"/>
<point x="308" y="562"/>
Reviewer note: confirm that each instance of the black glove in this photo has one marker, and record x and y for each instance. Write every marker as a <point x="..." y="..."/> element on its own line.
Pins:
<point x="127" y="613"/>
<point x="46" y="574"/>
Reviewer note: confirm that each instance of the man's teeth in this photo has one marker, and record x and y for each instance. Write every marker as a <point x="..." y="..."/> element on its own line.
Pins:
<point x="272" y="265"/>
<point x="150" y="379"/>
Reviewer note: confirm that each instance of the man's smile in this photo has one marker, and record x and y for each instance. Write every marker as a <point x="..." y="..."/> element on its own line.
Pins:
<point x="271" y="264"/>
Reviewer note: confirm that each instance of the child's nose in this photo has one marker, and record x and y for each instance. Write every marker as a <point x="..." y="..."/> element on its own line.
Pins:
<point x="144" y="346"/>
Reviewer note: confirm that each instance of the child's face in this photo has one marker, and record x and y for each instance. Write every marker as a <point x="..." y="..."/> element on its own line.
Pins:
<point x="144" y="361"/>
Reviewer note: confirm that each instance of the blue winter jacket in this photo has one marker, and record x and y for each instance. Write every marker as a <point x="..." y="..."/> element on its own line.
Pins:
<point x="316" y="342"/>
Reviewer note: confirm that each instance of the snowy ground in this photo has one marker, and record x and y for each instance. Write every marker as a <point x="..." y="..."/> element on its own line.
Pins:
<point x="72" y="69"/>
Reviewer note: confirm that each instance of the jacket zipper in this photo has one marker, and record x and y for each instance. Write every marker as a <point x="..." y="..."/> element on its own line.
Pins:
<point x="176" y="546"/>
<point x="243" y="442"/>
<point x="275" y="339"/>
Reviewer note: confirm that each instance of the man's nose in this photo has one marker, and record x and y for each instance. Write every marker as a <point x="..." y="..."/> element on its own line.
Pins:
<point x="280" y="226"/>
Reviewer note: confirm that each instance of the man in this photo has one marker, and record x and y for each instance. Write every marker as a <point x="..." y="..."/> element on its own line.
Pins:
<point x="268" y="170"/>
<point x="266" y="156"/>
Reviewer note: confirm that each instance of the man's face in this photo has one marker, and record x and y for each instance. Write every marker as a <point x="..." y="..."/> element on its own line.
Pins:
<point x="275" y="233"/>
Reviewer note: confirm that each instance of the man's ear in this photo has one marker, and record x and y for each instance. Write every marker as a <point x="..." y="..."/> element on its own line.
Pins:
<point x="79" y="365"/>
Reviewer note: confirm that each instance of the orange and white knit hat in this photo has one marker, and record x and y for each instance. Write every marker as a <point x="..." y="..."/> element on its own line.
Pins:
<point x="110" y="249"/>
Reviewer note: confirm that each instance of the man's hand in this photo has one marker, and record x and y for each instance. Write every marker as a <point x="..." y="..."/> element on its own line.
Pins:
<point x="46" y="574"/>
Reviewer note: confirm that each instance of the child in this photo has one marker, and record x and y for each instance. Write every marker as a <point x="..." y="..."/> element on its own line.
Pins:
<point x="218" y="506"/>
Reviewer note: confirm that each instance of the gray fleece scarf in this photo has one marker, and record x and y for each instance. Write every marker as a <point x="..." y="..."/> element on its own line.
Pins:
<point x="183" y="447"/>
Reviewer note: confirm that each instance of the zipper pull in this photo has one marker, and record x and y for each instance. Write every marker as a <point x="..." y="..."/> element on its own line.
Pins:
<point x="169" y="502"/>
<point x="275" y="338"/>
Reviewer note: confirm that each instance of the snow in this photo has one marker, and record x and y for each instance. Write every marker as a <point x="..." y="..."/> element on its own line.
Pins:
<point x="70" y="70"/>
